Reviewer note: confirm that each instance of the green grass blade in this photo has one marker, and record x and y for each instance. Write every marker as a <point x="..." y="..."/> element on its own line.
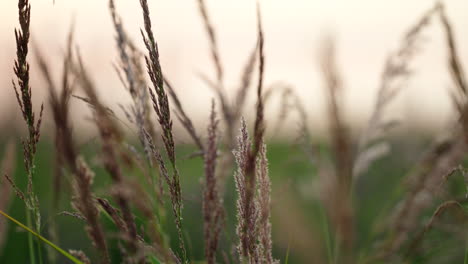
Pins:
<point x="43" y="239"/>
<point x="327" y="235"/>
<point x="32" y="256"/>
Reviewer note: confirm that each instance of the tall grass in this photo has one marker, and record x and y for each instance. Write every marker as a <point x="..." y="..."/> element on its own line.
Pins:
<point x="126" y="221"/>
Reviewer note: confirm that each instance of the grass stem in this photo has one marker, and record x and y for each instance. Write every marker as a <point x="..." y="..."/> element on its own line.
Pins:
<point x="43" y="239"/>
<point x="32" y="256"/>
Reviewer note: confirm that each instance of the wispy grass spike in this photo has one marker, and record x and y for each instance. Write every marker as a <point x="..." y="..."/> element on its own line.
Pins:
<point x="161" y="107"/>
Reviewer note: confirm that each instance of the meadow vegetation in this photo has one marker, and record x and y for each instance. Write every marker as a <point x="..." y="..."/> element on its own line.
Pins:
<point x="227" y="197"/>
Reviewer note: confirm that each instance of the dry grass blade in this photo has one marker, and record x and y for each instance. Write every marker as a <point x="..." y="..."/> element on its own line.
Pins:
<point x="246" y="157"/>
<point x="246" y="80"/>
<point x="183" y="117"/>
<point x="456" y="70"/>
<point x="161" y="107"/>
<point x="218" y="85"/>
<point x="253" y="216"/>
<point x="259" y="128"/>
<point x="338" y="129"/>
<point x="444" y="155"/>
<point x="425" y="180"/>
<point x="172" y="188"/>
<point x="59" y="103"/>
<point x="15" y="188"/>
<point x="111" y="139"/>
<point x="397" y="71"/>
<point x="60" y="111"/>
<point x="424" y="183"/>
<point x="122" y="45"/>
<point x="24" y="99"/>
<point x="458" y="74"/>
<point x="113" y="213"/>
<point x="160" y="99"/>
<point x="289" y="102"/>
<point x="231" y="111"/>
<point x="24" y="96"/>
<point x="246" y="208"/>
<point x="213" y="211"/>
<point x="214" y="44"/>
<point x="154" y="230"/>
<point x="264" y="204"/>
<point x="133" y="79"/>
<point x="341" y="211"/>
<point x="428" y="226"/>
<point x="131" y="67"/>
<point x="64" y="140"/>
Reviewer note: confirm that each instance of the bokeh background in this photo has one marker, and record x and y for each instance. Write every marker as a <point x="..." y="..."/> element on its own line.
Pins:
<point x="365" y="32"/>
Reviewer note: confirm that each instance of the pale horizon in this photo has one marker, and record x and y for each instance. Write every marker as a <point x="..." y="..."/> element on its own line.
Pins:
<point x="365" y="33"/>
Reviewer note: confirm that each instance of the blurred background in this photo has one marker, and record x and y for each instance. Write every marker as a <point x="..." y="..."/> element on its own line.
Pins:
<point x="365" y="32"/>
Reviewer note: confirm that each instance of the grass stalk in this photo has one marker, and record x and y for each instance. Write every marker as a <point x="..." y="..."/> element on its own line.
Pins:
<point x="43" y="239"/>
<point x="32" y="256"/>
<point x="326" y="234"/>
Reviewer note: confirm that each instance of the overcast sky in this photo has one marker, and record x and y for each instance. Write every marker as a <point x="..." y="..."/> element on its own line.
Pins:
<point x="365" y="32"/>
